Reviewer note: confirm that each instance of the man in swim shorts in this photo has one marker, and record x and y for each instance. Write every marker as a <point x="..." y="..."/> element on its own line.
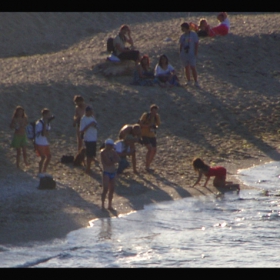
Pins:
<point x="109" y="158"/>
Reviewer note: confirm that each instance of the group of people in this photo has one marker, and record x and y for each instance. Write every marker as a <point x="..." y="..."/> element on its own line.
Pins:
<point x="143" y="132"/>
<point x="164" y="73"/>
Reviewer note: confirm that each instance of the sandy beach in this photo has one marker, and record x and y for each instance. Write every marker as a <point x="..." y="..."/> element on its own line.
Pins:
<point x="47" y="58"/>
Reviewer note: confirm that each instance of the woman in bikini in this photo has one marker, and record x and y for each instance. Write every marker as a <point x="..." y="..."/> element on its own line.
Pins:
<point x="218" y="172"/>
<point x="19" y="123"/>
<point x="109" y="158"/>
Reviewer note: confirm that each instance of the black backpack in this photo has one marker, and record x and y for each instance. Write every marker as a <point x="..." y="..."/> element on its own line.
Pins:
<point x="47" y="183"/>
<point x="110" y="45"/>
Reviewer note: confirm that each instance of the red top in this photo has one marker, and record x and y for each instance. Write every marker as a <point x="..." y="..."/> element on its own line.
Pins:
<point x="217" y="171"/>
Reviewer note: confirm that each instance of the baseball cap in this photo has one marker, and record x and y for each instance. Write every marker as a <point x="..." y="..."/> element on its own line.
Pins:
<point x="88" y="108"/>
<point x="109" y="142"/>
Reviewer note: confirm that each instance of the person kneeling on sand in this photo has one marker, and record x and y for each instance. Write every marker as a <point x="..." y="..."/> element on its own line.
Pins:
<point x="125" y="148"/>
<point x="123" y="52"/>
<point x="133" y="130"/>
<point x="88" y="130"/>
<point x="42" y="146"/>
<point x="218" y="172"/>
<point x="109" y="158"/>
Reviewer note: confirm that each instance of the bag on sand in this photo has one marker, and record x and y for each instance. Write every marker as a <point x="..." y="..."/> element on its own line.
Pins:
<point x="47" y="183"/>
<point x="67" y="159"/>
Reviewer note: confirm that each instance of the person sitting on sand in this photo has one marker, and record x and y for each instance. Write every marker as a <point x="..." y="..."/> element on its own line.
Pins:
<point x="19" y="142"/>
<point x="109" y="158"/>
<point x="222" y="29"/>
<point x="133" y="130"/>
<point x="125" y="148"/>
<point x="42" y="146"/>
<point x="79" y="112"/>
<point x="143" y="74"/>
<point x="88" y="130"/>
<point x="122" y="52"/>
<point x="165" y="73"/>
<point x="218" y="172"/>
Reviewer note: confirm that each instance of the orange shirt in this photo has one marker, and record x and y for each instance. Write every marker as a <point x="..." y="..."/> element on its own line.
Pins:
<point x="151" y="120"/>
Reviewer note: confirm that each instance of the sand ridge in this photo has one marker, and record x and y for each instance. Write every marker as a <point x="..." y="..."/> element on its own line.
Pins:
<point x="47" y="58"/>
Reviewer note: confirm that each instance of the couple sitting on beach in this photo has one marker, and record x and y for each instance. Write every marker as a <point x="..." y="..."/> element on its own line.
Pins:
<point x="163" y="74"/>
<point x="204" y="30"/>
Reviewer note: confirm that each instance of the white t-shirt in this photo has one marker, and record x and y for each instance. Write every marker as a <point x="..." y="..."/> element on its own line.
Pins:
<point x="39" y="139"/>
<point x="226" y="22"/>
<point x="160" y="71"/>
<point x="90" y="134"/>
<point x="120" y="147"/>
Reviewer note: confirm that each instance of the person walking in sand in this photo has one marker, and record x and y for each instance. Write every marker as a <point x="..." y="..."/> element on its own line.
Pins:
<point x="188" y="52"/>
<point x="218" y="172"/>
<point x="19" y="142"/>
<point x="133" y="130"/>
<point x="42" y="146"/>
<point x="109" y="158"/>
<point x="149" y="122"/>
<point x="120" y="41"/>
<point x="88" y="130"/>
<point x="79" y="112"/>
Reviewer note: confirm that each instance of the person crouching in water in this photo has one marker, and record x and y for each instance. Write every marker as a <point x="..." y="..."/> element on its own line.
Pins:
<point x="218" y="172"/>
<point x="109" y="158"/>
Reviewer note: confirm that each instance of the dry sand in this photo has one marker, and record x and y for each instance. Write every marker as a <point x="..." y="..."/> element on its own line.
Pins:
<point x="47" y="58"/>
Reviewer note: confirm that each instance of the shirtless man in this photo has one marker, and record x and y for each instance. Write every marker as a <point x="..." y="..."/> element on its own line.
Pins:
<point x="135" y="131"/>
<point x="109" y="158"/>
<point x="79" y="112"/>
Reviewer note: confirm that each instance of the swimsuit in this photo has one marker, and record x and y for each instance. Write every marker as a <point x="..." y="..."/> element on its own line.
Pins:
<point x="216" y="171"/>
<point x="110" y="174"/>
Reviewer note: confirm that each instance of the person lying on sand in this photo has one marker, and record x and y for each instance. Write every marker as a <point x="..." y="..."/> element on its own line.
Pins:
<point x="218" y="172"/>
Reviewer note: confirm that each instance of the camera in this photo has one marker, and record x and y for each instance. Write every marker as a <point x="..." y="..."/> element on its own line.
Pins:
<point x="51" y="118"/>
<point x="187" y="49"/>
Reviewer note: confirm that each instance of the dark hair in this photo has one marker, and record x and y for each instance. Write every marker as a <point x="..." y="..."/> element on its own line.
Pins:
<point x="143" y="57"/>
<point x="198" y="164"/>
<point x="160" y="58"/>
<point x="185" y="25"/>
<point x="124" y="26"/>
<point x="78" y="98"/>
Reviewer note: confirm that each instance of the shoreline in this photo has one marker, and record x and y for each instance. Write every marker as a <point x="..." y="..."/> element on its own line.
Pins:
<point x="232" y="120"/>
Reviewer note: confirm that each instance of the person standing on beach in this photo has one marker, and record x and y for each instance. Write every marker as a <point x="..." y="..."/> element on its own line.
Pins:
<point x="42" y="146"/>
<point x="79" y="112"/>
<point x="218" y="172"/>
<point x="133" y="130"/>
<point x="88" y="130"/>
<point x="109" y="158"/>
<point x="188" y="52"/>
<point x="19" y="142"/>
<point x="149" y="122"/>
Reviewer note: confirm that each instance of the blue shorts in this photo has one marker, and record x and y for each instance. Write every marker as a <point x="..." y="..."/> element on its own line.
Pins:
<point x="110" y="174"/>
<point x="90" y="149"/>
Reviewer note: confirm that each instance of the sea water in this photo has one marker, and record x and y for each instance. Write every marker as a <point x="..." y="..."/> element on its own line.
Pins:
<point x="230" y="230"/>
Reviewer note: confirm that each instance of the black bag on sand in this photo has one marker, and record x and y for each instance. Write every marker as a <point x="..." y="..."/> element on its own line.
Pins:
<point x="67" y="159"/>
<point x="47" y="183"/>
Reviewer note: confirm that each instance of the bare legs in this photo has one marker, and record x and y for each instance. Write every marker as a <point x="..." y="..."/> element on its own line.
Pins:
<point x="150" y="155"/>
<point x="108" y="185"/>
<point x="43" y="163"/>
<point x="188" y="74"/>
<point x="79" y="139"/>
<point x="24" y="156"/>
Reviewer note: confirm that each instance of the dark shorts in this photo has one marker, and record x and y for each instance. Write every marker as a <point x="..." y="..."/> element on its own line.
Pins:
<point x="150" y="140"/>
<point x="90" y="149"/>
<point x="131" y="55"/>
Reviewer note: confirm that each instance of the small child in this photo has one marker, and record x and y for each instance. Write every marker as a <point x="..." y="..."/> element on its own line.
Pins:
<point x="218" y="172"/>
<point x="19" y="123"/>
